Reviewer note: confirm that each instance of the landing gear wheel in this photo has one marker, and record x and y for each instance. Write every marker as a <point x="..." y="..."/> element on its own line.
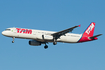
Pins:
<point x="12" y="41"/>
<point x="45" y="46"/>
<point x="54" y="43"/>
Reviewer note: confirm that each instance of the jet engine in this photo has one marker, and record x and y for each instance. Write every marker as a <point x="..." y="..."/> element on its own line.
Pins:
<point x="34" y="43"/>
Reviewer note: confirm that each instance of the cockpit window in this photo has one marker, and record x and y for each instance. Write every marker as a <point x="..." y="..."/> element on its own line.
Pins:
<point x="7" y="29"/>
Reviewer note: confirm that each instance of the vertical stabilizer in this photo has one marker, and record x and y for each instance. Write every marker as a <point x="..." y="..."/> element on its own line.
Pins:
<point x="88" y="33"/>
<point x="90" y="30"/>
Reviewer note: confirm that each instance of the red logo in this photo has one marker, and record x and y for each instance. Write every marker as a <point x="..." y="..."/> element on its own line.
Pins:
<point x="90" y="28"/>
<point x="25" y="31"/>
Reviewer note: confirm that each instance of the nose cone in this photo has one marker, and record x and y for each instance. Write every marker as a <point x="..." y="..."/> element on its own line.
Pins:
<point x="6" y="33"/>
<point x="3" y="33"/>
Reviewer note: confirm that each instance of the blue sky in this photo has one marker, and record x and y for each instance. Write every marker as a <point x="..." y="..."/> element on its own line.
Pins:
<point x="52" y="15"/>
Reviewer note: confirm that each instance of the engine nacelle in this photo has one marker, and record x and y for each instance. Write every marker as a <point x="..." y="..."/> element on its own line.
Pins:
<point x="34" y="43"/>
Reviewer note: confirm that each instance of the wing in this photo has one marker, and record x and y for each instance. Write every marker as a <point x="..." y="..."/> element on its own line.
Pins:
<point x="63" y="32"/>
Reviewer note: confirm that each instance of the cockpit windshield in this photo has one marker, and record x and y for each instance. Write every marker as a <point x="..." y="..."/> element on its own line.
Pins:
<point x="7" y="29"/>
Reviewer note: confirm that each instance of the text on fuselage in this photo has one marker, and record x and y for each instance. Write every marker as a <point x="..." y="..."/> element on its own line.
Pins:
<point x="25" y="31"/>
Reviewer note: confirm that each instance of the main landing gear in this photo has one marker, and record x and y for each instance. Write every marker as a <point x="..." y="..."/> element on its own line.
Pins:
<point x="55" y="42"/>
<point x="45" y="47"/>
<point x="13" y="39"/>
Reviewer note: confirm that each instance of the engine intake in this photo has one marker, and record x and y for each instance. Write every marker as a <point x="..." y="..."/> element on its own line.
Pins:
<point x="34" y="43"/>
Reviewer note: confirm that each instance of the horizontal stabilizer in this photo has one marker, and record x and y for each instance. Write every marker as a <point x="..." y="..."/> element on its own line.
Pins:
<point x="95" y="36"/>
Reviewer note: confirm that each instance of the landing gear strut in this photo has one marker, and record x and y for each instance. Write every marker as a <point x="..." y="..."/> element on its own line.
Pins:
<point x="55" y="42"/>
<point x="13" y="39"/>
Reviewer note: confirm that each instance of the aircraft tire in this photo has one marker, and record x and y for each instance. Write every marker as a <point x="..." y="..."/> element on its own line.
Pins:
<point x="12" y="41"/>
<point x="54" y="43"/>
<point x="45" y="46"/>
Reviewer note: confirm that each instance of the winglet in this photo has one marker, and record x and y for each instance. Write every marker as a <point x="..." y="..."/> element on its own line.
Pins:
<point x="79" y="25"/>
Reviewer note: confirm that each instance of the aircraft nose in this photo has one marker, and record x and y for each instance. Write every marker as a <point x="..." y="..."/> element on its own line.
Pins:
<point x="3" y="33"/>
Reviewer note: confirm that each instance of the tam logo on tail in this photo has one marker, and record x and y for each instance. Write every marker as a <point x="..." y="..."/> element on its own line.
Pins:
<point x="88" y="34"/>
<point x="90" y="28"/>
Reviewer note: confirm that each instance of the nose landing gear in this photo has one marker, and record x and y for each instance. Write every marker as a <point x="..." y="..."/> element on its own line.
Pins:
<point x="13" y="39"/>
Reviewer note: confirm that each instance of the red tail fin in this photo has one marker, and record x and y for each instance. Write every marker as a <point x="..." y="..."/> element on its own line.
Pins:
<point x="90" y="30"/>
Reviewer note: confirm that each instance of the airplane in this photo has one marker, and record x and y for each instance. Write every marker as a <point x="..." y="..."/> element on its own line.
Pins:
<point x="39" y="37"/>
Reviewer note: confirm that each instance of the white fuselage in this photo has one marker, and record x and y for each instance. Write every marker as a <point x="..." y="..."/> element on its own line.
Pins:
<point x="37" y="35"/>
